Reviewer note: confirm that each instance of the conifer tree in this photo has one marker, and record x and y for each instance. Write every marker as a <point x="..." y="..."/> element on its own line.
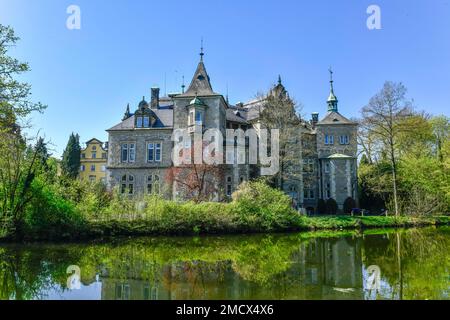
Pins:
<point x="70" y="163"/>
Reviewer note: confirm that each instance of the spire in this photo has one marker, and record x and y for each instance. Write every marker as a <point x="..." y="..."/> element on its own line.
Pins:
<point x="279" y="80"/>
<point x="127" y="113"/>
<point x="201" y="51"/>
<point x="332" y="99"/>
<point x="200" y="81"/>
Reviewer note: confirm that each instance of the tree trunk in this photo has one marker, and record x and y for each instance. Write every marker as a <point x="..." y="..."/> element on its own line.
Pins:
<point x="394" y="178"/>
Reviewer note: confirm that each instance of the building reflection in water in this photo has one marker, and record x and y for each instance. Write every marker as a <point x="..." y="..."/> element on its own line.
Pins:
<point x="319" y="269"/>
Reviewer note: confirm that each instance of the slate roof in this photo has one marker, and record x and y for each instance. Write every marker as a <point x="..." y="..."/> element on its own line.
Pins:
<point x="164" y="120"/>
<point x="334" y="117"/>
<point x="235" y="115"/>
<point x="200" y="84"/>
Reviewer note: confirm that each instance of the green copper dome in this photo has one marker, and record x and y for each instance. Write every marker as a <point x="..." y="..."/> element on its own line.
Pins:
<point x="196" y="101"/>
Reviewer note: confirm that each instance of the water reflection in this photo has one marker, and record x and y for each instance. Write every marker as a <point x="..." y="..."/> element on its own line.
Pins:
<point x="413" y="264"/>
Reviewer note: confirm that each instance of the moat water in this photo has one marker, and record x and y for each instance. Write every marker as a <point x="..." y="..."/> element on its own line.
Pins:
<point x="379" y="264"/>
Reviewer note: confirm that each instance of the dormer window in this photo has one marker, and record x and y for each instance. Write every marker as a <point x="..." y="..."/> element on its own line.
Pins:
<point x="139" y="122"/>
<point x="146" y="122"/>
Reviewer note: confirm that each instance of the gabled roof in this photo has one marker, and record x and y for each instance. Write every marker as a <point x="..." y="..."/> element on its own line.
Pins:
<point x="200" y="84"/>
<point x="94" y="140"/>
<point x="334" y="117"/>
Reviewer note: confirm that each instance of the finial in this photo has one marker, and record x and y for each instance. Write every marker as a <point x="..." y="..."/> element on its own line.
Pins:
<point x="228" y="102"/>
<point x="201" y="51"/>
<point x="332" y="100"/>
<point x="183" y="86"/>
<point x="127" y="113"/>
<point x="331" y="79"/>
<point x="279" y="80"/>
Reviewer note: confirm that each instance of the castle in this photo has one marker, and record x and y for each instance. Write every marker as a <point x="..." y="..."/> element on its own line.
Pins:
<point x="141" y="146"/>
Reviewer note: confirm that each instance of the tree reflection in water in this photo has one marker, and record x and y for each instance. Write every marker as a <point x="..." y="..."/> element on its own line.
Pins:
<point x="414" y="264"/>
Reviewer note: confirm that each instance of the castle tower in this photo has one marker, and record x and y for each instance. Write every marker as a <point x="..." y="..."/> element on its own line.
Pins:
<point x="337" y="153"/>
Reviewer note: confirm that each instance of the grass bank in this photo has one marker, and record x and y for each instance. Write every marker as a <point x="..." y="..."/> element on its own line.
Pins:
<point x="224" y="224"/>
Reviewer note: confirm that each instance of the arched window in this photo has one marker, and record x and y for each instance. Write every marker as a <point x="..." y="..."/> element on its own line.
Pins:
<point x="153" y="184"/>
<point x="157" y="184"/>
<point x="127" y="184"/>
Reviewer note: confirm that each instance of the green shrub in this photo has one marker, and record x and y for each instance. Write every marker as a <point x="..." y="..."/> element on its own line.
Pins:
<point x="49" y="214"/>
<point x="263" y="208"/>
<point x="322" y="207"/>
<point x="331" y="206"/>
<point x="349" y="205"/>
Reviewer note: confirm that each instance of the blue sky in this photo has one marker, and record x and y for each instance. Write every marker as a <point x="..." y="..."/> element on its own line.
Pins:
<point x="87" y="76"/>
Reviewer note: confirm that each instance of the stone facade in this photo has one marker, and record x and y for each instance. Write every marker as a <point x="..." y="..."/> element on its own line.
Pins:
<point x="140" y="147"/>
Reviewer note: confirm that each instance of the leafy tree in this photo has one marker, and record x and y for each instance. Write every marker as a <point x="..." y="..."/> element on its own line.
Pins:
<point x="441" y="130"/>
<point x="70" y="163"/>
<point x="18" y="167"/>
<point x="382" y="119"/>
<point x="279" y="111"/>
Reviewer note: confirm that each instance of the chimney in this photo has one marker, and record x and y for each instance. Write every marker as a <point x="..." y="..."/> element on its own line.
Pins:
<point x="155" y="98"/>
<point x="314" y="118"/>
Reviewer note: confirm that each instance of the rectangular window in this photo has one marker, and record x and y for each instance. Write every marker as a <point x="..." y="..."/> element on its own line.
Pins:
<point x="83" y="156"/>
<point x="103" y="168"/>
<point x="158" y="152"/>
<point x="82" y="168"/>
<point x="104" y="155"/>
<point x="328" y="191"/>
<point x="132" y="152"/>
<point x="154" y="152"/>
<point x="191" y="118"/>
<point x="329" y="139"/>
<point x="198" y="118"/>
<point x="124" y="156"/>
<point x="131" y="188"/>
<point x="146" y="122"/>
<point x="343" y="140"/>
<point x="229" y="189"/>
<point x="151" y="152"/>
<point x="327" y="167"/>
<point x="93" y="167"/>
<point x="94" y="155"/>
<point x="308" y="193"/>
<point x="308" y="165"/>
<point x="139" y="122"/>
